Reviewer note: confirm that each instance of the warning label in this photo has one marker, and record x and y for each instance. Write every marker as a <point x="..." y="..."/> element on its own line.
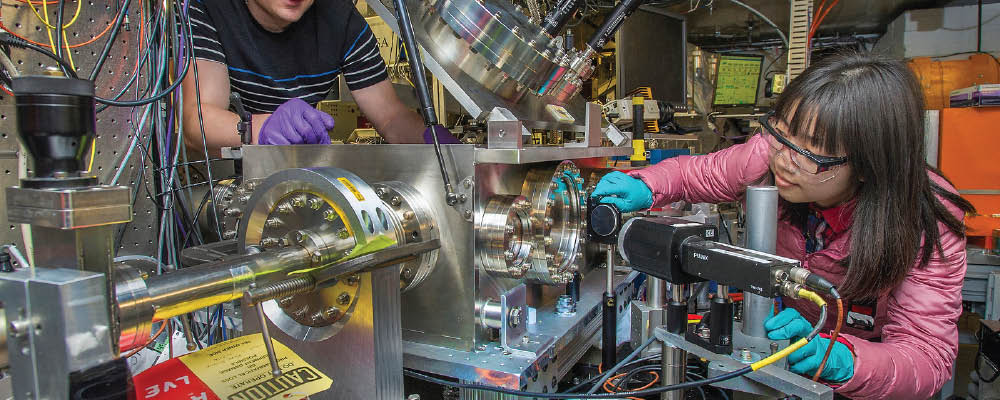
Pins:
<point x="237" y="369"/>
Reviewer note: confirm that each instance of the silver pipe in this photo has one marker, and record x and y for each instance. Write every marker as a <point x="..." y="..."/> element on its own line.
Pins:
<point x="655" y="292"/>
<point x="191" y="289"/>
<point x="677" y="293"/>
<point x="761" y="235"/>
<point x="611" y="269"/>
<point x="674" y="365"/>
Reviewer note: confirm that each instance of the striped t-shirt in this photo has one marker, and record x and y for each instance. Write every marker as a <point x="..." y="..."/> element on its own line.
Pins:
<point x="303" y="61"/>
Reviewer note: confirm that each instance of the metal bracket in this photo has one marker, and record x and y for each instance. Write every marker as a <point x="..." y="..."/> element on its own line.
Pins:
<point x="58" y="324"/>
<point x="466" y="198"/>
<point x="514" y="337"/>
<point x="768" y="380"/>
<point x="71" y="208"/>
<point x="592" y="136"/>
<point x="504" y="135"/>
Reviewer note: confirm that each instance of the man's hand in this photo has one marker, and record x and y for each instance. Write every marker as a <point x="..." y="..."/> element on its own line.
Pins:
<point x="296" y="122"/>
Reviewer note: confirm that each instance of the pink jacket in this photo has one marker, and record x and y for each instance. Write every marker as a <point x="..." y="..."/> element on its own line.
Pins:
<point x="916" y="321"/>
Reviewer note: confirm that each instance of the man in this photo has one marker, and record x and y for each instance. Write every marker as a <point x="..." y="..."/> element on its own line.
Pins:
<point x="282" y="57"/>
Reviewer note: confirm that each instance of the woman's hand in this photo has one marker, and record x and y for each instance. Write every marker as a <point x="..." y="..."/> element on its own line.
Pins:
<point x="790" y="325"/>
<point x="630" y="194"/>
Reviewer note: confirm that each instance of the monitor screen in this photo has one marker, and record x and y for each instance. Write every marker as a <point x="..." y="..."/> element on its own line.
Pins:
<point x="652" y="52"/>
<point x="737" y="79"/>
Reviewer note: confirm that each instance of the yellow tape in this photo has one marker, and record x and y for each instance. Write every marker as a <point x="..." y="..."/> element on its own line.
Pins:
<point x="638" y="150"/>
<point x="350" y="186"/>
<point x="638" y="101"/>
<point x="810" y="295"/>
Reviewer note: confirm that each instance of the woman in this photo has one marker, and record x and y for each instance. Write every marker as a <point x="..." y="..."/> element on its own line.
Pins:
<point x="860" y="207"/>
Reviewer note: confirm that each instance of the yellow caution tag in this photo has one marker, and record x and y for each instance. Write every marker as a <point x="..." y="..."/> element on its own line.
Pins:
<point x="239" y="369"/>
<point x="638" y="150"/>
<point x="350" y="186"/>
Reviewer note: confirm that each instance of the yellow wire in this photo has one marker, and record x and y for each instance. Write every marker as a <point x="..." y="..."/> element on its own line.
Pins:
<point x="779" y="355"/>
<point x="69" y="53"/>
<point x="93" y="149"/>
<point x="46" y="10"/>
<point x="805" y="294"/>
<point x="49" y="28"/>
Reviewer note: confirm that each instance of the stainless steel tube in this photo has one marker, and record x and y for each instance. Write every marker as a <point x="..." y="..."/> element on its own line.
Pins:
<point x="761" y="235"/>
<point x="611" y="269"/>
<point x="674" y="365"/>
<point x="677" y="293"/>
<point x="655" y="292"/>
<point x="191" y="289"/>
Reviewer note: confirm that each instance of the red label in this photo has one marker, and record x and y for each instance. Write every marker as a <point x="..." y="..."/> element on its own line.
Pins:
<point x="171" y="380"/>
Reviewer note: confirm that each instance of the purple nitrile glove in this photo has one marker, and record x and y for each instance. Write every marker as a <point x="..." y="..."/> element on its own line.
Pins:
<point x="296" y="122"/>
<point x="443" y="135"/>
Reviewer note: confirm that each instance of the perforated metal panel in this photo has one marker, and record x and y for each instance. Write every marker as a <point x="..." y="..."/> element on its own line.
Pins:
<point x="115" y="126"/>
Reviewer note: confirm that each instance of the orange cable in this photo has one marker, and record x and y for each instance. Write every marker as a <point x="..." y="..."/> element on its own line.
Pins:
<point x="163" y="326"/>
<point x="656" y="378"/>
<point x="833" y="339"/>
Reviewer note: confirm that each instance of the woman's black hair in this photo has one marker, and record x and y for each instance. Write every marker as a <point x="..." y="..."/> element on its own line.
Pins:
<point x="872" y="110"/>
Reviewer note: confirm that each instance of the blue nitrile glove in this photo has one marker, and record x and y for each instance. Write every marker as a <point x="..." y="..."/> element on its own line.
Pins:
<point x="631" y="194"/>
<point x="443" y="135"/>
<point x="787" y="325"/>
<point x="296" y="122"/>
<point x="839" y="367"/>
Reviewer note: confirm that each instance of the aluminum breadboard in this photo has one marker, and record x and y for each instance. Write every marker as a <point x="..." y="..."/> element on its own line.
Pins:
<point x="115" y="126"/>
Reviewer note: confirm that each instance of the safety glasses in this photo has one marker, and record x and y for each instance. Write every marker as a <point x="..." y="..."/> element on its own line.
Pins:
<point x="805" y="160"/>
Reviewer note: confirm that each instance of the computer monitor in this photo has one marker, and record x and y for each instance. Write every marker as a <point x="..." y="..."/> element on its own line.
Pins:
<point x="737" y="79"/>
<point x="651" y="49"/>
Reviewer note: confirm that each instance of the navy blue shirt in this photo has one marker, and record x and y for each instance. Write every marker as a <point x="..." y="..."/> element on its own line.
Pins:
<point x="303" y="61"/>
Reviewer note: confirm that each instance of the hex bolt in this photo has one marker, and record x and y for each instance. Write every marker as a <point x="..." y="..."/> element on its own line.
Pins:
<point x="745" y="355"/>
<point x="233" y="212"/>
<point x="381" y="193"/>
<point x="230" y="234"/>
<point x="318" y="317"/>
<point x="409" y="215"/>
<point x="353" y="280"/>
<point x="343" y="234"/>
<point x="396" y="201"/>
<point x="330" y="215"/>
<point x="270" y="242"/>
<point x="514" y="317"/>
<point x="285" y="208"/>
<point x="18" y="328"/>
<point x="301" y="237"/>
<point x="462" y="198"/>
<point x="468" y="214"/>
<point x="316" y="203"/>
<point x="331" y="313"/>
<point x="285" y="301"/>
<point x="273" y="223"/>
<point x="299" y="201"/>
<point x="344" y="299"/>
<point x="244" y="198"/>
